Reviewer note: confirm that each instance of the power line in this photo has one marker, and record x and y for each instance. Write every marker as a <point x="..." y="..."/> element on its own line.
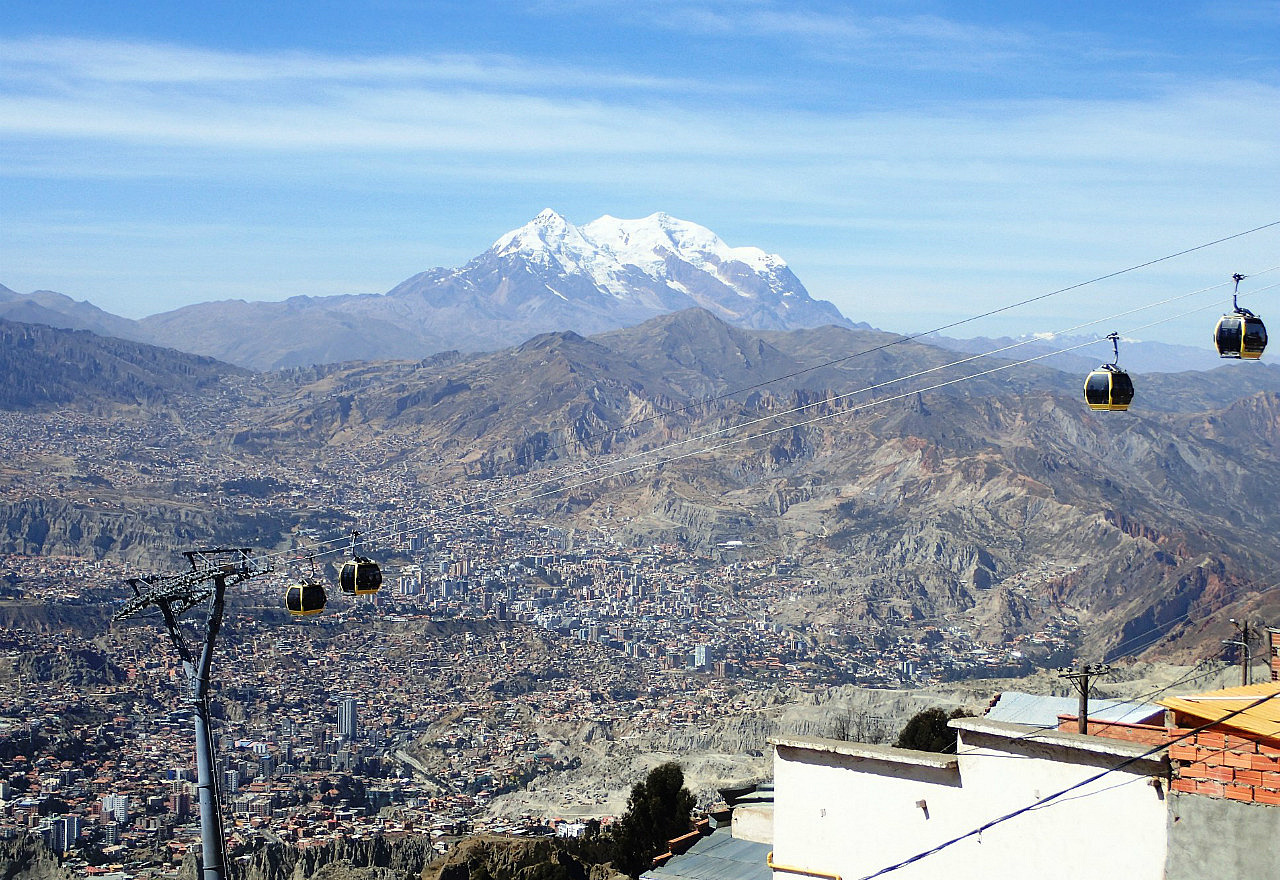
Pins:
<point x="914" y="336"/>
<point x="1065" y="791"/>
<point x="1193" y="674"/>
<point x="1190" y="675"/>
<point x="1138" y="637"/>
<point x="507" y="496"/>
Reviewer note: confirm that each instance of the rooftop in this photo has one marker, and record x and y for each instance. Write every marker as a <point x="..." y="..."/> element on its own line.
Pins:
<point x="719" y="856"/>
<point x="1079" y="742"/>
<point x="1042" y="711"/>
<point x="1259" y="711"/>
<point x="867" y="751"/>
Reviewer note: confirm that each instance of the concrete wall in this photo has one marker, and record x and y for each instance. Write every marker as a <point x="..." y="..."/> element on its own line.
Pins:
<point x="753" y="822"/>
<point x="853" y="810"/>
<point x="1209" y="837"/>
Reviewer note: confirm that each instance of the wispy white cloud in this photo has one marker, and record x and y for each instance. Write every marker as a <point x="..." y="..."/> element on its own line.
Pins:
<point x="76" y="89"/>
<point x="40" y="62"/>
<point x="835" y="32"/>
<point x="1032" y="186"/>
<point x="280" y="103"/>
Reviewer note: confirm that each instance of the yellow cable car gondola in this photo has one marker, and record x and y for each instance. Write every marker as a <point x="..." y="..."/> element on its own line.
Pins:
<point x="359" y="576"/>
<point x="1240" y="334"/>
<point x="305" y="597"/>
<point x="1109" y="387"/>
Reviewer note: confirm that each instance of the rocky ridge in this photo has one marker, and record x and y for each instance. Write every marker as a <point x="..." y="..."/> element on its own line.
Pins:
<point x="546" y="276"/>
<point x="26" y="857"/>
<point x="998" y="502"/>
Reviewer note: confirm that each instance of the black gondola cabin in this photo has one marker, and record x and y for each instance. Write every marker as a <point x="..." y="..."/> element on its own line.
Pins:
<point x="1108" y="388"/>
<point x="360" y="576"/>
<point x="1240" y="335"/>
<point x="306" y="597"/>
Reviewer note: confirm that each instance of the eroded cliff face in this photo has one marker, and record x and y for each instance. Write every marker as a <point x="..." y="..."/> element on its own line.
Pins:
<point x="410" y="857"/>
<point x="129" y="530"/>
<point x="27" y="858"/>
<point x="379" y="858"/>
<point x="498" y="858"/>
<point x="1002" y="503"/>
<point x="1005" y="512"/>
<point x="75" y="668"/>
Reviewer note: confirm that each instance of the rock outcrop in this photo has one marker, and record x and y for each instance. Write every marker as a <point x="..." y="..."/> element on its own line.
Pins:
<point x="26" y="857"/>
<point x="411" y="857"/>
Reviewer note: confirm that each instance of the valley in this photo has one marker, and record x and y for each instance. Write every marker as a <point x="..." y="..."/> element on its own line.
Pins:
<point x="668" y="541"/>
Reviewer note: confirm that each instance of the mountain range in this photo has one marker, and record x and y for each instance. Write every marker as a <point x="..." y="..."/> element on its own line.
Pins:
<point x="548" y="275"/>
<point x="996" y="502"/>
<point x="992" y="497"/>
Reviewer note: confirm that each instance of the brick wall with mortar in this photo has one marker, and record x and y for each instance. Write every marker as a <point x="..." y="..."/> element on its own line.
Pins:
<point x="1150" y="734"/>
<point x="1219" y="763"/>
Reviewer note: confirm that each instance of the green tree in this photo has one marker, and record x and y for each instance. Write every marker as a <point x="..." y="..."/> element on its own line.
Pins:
<point x="927" y="731"/>
<point x="344" y="788"/>
<point x="657" y="811"/>
<point x="52" y="806"/>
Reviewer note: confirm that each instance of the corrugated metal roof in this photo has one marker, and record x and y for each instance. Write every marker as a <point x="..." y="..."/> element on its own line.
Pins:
<point x="1017" y="708"/>
<point x="1260" y="720"/>
<point x="719" y="856"/>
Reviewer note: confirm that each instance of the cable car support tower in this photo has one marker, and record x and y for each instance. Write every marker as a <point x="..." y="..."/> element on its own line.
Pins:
<point x="212" y="571"/>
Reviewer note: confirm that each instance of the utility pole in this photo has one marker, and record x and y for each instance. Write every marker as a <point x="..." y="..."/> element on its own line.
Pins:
<point x="212" y="571"/>
<point x="1080" y="676"/>
<point x="1242" y="642"/>
<point x="1273" y="636"/>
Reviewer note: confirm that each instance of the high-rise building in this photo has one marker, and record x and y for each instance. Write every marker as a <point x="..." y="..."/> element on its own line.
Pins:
<point x="702" y="657"/>
<point x="726" y="669"/>
<point x="65" y="832"/>
<point x="347" y="719"/>
<point x="116" y="806"/>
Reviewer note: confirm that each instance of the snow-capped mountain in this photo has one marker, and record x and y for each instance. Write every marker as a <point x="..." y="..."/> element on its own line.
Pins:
<point x="548" y="275"/>
<point x="611" y="273"/>
<point x="644" y="261"/>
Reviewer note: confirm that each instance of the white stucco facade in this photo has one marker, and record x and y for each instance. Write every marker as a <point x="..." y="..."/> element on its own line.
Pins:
<point x="753" y="822"/>
<point x="851" y="809"/>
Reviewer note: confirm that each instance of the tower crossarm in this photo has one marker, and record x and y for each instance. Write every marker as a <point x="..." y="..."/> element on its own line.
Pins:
<point x="181" y="592"/>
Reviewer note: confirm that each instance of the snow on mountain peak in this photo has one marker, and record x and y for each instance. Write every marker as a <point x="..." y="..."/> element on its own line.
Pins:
<point x="545" y="239"/>
<point x="548" y="217"/>
<point x="611" y="251"/>
<point x="639" y="241"/>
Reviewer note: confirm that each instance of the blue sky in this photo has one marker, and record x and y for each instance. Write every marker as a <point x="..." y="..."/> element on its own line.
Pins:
<point x="914" y="162"/>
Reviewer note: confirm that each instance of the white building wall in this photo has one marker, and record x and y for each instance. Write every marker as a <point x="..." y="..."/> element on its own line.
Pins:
<point x="753" y="822"/>
<point x="855" y="813"/>
<point x="850" y="815"/>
